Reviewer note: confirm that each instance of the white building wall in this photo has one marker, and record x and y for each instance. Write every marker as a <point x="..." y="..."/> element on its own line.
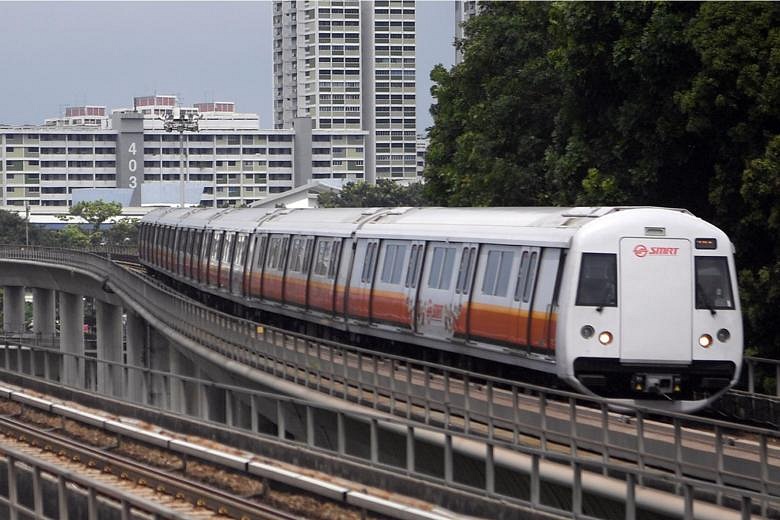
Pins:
<point x="41" y="165"/>
<point x="350" y="64"/>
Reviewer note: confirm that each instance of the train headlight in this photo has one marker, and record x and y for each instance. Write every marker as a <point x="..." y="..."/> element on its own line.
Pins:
<point x="705" y="341"/>
<point x="587" y="331"/>
<point x="724" y="335"/>
<point x="605" y="338"/>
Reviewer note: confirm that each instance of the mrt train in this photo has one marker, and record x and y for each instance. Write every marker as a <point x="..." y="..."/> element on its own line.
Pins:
<point x="636" y="304"/>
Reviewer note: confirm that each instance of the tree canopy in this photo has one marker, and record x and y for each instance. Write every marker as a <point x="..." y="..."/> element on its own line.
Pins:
<point x="96" y="212"/>
<point x="363" y="195"/>
<point x="671" y="104"/>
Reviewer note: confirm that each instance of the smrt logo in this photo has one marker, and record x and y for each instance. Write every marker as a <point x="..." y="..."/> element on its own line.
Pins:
<point x="641" y="251"/>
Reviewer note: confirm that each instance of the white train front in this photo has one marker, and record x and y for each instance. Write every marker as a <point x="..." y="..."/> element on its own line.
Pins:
<point x="634" y="304"/>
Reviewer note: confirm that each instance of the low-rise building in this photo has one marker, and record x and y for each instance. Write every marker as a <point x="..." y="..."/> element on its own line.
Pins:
<point x="238" y="162"/>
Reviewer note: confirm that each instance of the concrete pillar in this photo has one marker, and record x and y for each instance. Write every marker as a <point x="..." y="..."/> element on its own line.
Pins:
<point x="180" y="398"/>
<point x="137" y="390"/>
<point x="109" y="349"/>
<point x="44" y="313"/>
<point x="159" y="360"/>
<point x="203" y="395"/>
<point x="72" y="338"/>
<point x="13" y="309"/>
<point x="44" y="322"/>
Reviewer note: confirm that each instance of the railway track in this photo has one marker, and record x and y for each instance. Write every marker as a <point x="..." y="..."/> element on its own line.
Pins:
<point x="171" y="489"/>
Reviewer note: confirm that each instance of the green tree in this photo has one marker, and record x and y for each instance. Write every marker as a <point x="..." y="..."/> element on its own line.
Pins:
<point x="124" y="232"/>
<point x="96" y="212"/>
<point x="71" y="237"/>
<point x="672" y="104"/>
<point x="495" y="111"/>
<point x="364" y="195"/>
<point x="12" y="230"/>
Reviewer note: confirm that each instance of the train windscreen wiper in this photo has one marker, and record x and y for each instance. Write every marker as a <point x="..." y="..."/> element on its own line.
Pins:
<point x="701" y="295"/>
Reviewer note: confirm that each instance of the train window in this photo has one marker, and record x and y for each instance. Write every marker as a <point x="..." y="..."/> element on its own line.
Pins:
<point x="240" y="250"/>
<point x="216" y="248"/>
<point x="411" y="271"/>
<point x="276" y="252"/>
<point x="713" y="286"/>
<point x="308" y="254"/>
<point x="205" y="248"/>
<point x="598" y="280"/>
<point x="395" y="254"/>
<point x="297" y="254"/>
<point x="334" y="259"/>
<point x="529" y="279"/>
<point x="441" y="268"/>
<point x="522" y="274"/>
<point x="259" y="252"/>
<point x="496" y="280"/>
<point x="368" y="263"/>
<point x="465" y="261"/>
<point x="227" y="248"/>
<point x="322" y="259"/>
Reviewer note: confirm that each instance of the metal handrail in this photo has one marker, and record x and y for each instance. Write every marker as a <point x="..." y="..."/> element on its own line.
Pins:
<point x="636" y="478"/>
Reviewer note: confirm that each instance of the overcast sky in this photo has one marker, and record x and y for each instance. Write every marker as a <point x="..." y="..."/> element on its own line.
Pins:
<point x="56" y="54"/>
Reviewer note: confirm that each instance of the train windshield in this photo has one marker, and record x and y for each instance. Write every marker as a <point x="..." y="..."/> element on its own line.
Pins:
<point x="598" y="280"/>
<point x="713" y="286"/>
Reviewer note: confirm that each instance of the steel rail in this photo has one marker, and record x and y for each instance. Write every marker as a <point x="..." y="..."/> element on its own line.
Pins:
<point x="162" y="481"/>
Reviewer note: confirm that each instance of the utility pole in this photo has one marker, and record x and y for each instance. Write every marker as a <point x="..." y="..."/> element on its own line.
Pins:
<point x="26" y="223"/>
<point x="181" y="122"/>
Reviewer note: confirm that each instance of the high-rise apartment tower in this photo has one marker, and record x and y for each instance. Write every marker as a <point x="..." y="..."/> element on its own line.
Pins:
<point x="350" y="64"/>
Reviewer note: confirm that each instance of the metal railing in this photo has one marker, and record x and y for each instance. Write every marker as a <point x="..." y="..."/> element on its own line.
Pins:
<point x="433" y="395"/>
<point x="767" y="370"/>
<point x="22" y="469"/>
<point x="360" y="438"/>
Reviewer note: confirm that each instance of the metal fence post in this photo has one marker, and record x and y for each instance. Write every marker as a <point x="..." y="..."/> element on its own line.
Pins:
<point x="490" y="469"/>
<point x="62" y="498"/>
<point x="280" y="427"/>
<point x="630" y="496"/>
<point x="374" y="441"/>
<point x="448" y="458"/>
<point x="13" y="495"/>
<point x="410" y="449"/>
<point x="309" y="426"/>
<point x="535" y="480"/>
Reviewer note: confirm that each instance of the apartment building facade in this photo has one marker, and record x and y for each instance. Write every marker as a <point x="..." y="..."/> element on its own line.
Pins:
<point x="236" y="162"/>
<point x="350" y="65"/>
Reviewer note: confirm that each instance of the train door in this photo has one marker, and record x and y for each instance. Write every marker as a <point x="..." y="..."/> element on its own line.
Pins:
<point x="237" y="269"/>
<point x="463" y="286"/>
<point x="494" y="314"/>
<point x="275" y="264"/>
<point x="655" y="300"/>
<point x="412" y="280"/>
<point x="203" y="255"/>
<point x="543" y="271"/>
<point x="359" y="296"/>
<point x="296" y="276"/>
<point x="256" y="267"/>
<point x="434" y="317"/>
<point x="246" y="270"/>
<point x="388" y="300"/>
<point x="214" y="255"/>
<point x="320" y="289"/>
<point x="226" y="260"/>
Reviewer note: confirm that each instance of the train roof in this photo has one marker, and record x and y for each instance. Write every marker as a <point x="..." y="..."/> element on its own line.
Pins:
<point x="541" y="225"/>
